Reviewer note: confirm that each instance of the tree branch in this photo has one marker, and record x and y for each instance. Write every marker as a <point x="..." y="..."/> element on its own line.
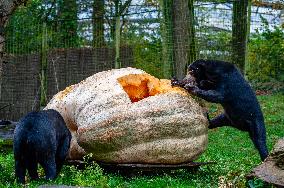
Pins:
<point x="124" y="7"/>
<point x="274" y="5"/>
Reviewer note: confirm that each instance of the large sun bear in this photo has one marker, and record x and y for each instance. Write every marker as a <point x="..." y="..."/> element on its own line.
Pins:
<point x="221" y="82"/>
<point x="40" y="137"/>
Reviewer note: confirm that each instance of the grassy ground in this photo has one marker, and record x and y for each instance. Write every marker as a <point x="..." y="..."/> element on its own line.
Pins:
<point x="232" y="149"/>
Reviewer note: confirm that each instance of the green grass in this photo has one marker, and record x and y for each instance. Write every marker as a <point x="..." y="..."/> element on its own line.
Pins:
<point x="232" y="149"/>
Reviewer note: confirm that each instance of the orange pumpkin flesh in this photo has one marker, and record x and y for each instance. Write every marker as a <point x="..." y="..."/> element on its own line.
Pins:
<point x="140" y="86"/>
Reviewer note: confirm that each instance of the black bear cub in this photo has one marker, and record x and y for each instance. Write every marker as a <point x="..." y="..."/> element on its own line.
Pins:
<point x="221" y="82"/>
<point x="40" y="137"/>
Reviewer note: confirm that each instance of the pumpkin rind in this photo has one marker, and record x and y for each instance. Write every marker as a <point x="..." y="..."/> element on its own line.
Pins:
<point x="128" y="116"/>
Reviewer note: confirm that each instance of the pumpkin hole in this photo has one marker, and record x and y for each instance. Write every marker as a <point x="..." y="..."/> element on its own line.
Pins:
<point x="140" y="86"/>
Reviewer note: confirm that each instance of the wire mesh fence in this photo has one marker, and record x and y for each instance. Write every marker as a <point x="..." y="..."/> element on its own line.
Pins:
<point x="80" y="38"/>
<point x="140" y="26"/>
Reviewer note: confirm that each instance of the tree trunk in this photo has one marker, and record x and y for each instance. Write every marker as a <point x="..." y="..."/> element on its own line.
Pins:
<point x="183" y="36"/>
<point x="239" y="33"/>
<point x="117" y="35"/>
<point x="43" y="76"/>
<point x="247" y="64"/>
<point x="2" y="41"/>
<point x="117" y="42"/>
<point x="192" y="48"/>
<point x="282" y="18"/>
<point x="116" y="27"/>
<point x="166" y="7"/>
<point x="248" y="19"/>
<point x="68" y="23"/>
<point x="7" y="7"/>
<point x="98" y="23"/>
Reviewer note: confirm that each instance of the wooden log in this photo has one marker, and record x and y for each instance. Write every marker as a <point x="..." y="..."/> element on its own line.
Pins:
<point x="132" y="169"/>
<point x="272" y="169"/>
<point x="151" y="167"/>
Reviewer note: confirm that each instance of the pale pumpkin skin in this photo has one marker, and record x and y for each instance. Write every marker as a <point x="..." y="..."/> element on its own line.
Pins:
<point x="128" y="116"/>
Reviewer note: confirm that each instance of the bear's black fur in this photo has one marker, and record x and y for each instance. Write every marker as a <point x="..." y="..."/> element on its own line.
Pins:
<point x="221" y="82"/>
<point x="40" y="137"/>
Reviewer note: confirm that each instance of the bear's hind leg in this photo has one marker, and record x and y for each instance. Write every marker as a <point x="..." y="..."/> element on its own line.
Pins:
<point x="257" y="134"/>
<point x="61" y="154"/>
<point x="20" y="171"/>
<point x="49" y="167"/>
<point x="32" y="169"/>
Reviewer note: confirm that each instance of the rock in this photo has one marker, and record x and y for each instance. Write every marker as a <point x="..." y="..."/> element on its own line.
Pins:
<point x="128" y="116"/>
<point x="272" y="169"/>
<point x="7" y="130"/>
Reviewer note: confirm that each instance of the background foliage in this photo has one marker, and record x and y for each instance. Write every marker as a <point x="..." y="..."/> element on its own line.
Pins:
<point x="266" y="57"/>
<point x="72" y="24"/>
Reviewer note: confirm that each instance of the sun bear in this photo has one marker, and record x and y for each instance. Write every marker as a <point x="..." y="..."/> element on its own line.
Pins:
<point x="221" y="82"/>
<point x="40" y="138"/>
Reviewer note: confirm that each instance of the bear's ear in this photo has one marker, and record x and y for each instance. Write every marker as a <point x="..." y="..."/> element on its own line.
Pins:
<point x="203" y="62"/>
<point x="200" y="62"/>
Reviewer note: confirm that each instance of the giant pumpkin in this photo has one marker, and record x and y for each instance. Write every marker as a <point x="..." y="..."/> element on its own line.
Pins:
<point x="128" y="116"/>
